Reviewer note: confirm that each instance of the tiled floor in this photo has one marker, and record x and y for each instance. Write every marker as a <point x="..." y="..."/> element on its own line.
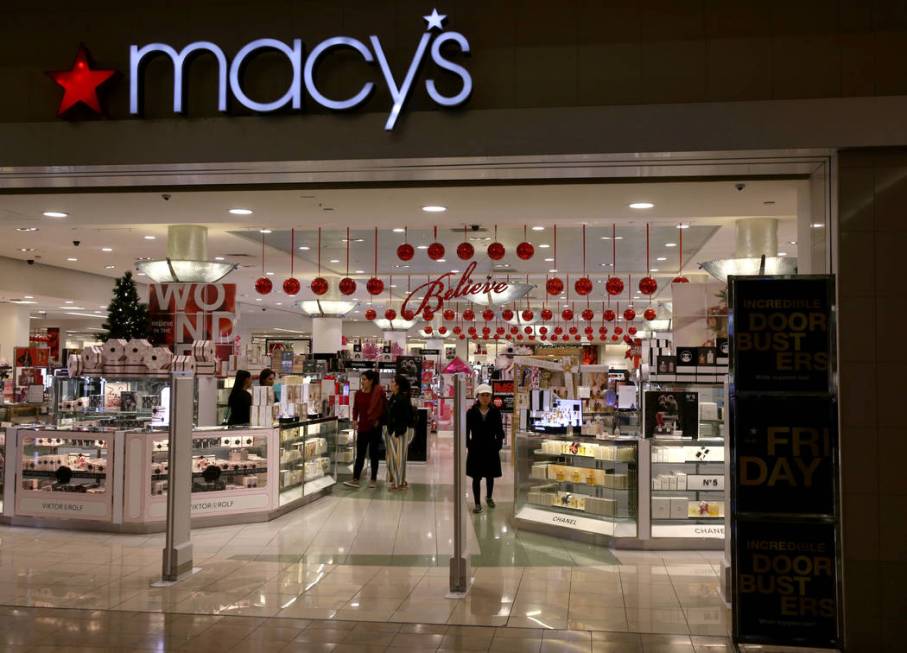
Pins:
<point x="363" y="570"/>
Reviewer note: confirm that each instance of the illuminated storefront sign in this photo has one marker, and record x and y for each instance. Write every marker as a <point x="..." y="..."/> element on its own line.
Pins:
<point x="431" y="45"/>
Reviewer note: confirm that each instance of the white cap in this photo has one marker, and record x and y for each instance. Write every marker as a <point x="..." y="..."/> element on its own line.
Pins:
<point x="482" y="389"/>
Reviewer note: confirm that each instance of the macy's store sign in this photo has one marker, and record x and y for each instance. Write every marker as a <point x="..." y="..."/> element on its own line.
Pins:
<point x="442" y="48"/>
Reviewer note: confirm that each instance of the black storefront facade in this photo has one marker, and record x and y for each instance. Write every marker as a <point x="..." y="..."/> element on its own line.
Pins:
<point x="581" y="90"/>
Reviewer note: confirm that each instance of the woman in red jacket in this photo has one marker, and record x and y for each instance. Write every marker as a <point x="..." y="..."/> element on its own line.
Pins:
<point x="368" y="416"/>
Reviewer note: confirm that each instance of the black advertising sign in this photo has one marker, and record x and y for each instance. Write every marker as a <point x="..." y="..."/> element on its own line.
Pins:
<point x="784" y="461"/>
<point x="671" y="414"/>
<point x="785" y="455"/>
<point x="786" y="583"/>
<point x="781" y="331"/>
<point x="411" y="368"/>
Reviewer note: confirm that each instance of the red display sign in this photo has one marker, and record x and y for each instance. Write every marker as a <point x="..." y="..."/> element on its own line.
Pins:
<point x="53" y="344"/>
<point x="182" y="313"/>
<point x="32" y="356"/>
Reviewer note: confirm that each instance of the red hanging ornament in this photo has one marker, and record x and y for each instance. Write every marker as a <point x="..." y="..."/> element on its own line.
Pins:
<point x="519" y="336"/>
<point x="603" y="330"/>
<point x="457" y="329"/>
<point x="291" y="286"/>
<point x="589" y="331"/>
<point x="508" y="337"/>
<point x="583" y="286"/>
<point x="609" y="315"/>
<point x="408" y="315"/>
<point x="614" y="286"/>
<point x="405" y="252"/>
<point x="527" y="329"/>
<point x="514" y="329"/>
<point x="442" y="330"/>
<point x="472" y="329"/>
<point x="577" y="337"/>
<point x="488" y="315"/>
<point x="496" y="250"/>
<point x="449" y="314"/>
<point x="647" y="285"/>
<point x="525" y="251"/>
<point x="347" y="286"/>
<point x="680" y="278"/>
<point x="500" y="330"/>
<point x="370" y="314"/>
<point x="629" y="315"/>
<point x="465" y="251"/>
<point x="572" y="330"/>
<point x="436" y="249"/>
<point x="486" y="329"/>
<point x="374" y="286"/>
<point x="558" y="329"/>
<point x="390" y="314"/>
<point x="588" y="314"/>
<point x="628" y="340"/>
<point x="263" y="285"/>
<point x="527" y="315"/>
<point x="618" y="330"/>
<point x="543" y="337"/>
<point x="554" y="286"/>
<point x="649" y="313"/>
<point x="547" y="314"/>
<point x="543" y="330"/>
<point x="507" y="315"/>
<point x="603" y="337"/>
<point x="614" y="337"/>
<point x="469" y="315"/>
<point x="319" y="285"/>
<point x="428" y="315"/>
<point x="567" y="314"/>
<point x="631" y="330"/>
<point x="427" y="328"/>
<point x="462" y="336"/>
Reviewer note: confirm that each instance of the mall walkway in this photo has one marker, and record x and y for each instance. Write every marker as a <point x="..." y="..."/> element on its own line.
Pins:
<point x="362" y="570"/>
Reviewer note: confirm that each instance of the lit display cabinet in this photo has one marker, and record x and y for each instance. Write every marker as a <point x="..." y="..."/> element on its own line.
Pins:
<point x="308" y="458"/>
<point x="577" y="483"/>
<point x="112" y="401"/>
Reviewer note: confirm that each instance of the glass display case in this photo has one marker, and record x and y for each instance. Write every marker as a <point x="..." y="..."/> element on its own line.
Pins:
<point x="577" y="483"/>
<point x="308" y="453"/>
<point x="108" y="401"/>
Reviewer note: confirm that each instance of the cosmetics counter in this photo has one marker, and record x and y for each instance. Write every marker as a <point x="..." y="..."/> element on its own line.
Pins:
<point x="110" y="479"/>
<point x="645" y="473"/>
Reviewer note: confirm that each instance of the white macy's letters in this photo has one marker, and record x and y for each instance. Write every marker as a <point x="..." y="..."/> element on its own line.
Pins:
<point x="303" y="72"/>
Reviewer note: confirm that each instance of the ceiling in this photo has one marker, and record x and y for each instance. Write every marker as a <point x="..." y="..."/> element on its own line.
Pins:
<point x="115" y="229"/>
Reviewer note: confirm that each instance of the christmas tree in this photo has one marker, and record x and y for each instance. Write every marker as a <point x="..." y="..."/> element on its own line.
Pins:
<point x="127" y="317"/>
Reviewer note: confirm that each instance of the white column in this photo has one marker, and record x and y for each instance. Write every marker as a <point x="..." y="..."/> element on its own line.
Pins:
<point x="327" y="335"/>
<point x="435" y="343"/>
<point x="463" y="349"/>
<point x="13" y="329"/>
<point x="398" y="337"/>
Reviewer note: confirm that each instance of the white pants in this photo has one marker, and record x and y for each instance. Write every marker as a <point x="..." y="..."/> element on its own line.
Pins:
<point x="397" y="448"/>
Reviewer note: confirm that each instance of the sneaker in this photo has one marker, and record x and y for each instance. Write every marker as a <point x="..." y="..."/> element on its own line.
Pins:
<point x="373" y="483"/>
<point x="354" y="484"/>
<point x="477" y="509"/>
<point x="490" y="502"/>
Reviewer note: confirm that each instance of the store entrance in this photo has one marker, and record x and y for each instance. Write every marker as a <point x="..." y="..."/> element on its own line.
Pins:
<point x="592" y="307"/>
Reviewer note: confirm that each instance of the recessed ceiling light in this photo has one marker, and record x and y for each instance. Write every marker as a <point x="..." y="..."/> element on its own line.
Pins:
<point x="258" y="299"/>
<point x="606" y="237"/>
<point x="782" y="253"/>
<point x="552" y="270"/>
<point x="817" y="225"/>
<point x="544" y="246"/>
<point x="399" y="230"/>
<point x="97" y="312"/>
<point x="641" y="205"/>
<point x="270" y="274"/>
<point x="72" y="258"/>
<point x="421" y="246"/>
<point x="241" y="211"/>
<point x="792" y="242"/>
<point x="683" y="226"/>
<point x="455" y="271"/>
<point x="28" y="297"/>
<point x="26" y="228"/>
<point x="549" y="260"/>
<point x="670" y="244"/>
<point x="150" y="237"/>
<point x="304" y="248"/>
<point x="393" y="285"/>
<point x="279" y="303"/>
<point x="26" y="249"/>
<point x="335" y="260"/>
<point x="442" y="260"/>
<point x="109" y="267"/>
<point x="434" y="208"/>
<point x="360" y="271"/>
<point x="107" y="249"/>
<point x="538" y="228"/>
<point x="264" y="231"/>
<point x="662" y="258"/>
<point x="69" y="302"/>
<point x="55" y="214"/>
<point x="218" y="258"/>
<point x="141" y="274"/>
<point x="653" y="270"/>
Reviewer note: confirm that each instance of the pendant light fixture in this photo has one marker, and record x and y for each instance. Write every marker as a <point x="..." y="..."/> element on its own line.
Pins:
<point x="292" y="286"/>
<point x="186" y="261"/>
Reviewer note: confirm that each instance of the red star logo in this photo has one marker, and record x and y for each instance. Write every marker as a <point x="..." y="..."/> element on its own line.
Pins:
<point x="80" y="83"/>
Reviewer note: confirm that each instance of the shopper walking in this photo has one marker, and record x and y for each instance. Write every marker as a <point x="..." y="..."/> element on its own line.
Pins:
<point x="399" y="431"/>
<point x="368" y="416"/>
<point x="240" y="401"/>
<point x="484" y="439"/>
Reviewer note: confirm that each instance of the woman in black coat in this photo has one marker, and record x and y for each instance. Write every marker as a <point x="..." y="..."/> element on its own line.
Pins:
<point x="484" y="439"/>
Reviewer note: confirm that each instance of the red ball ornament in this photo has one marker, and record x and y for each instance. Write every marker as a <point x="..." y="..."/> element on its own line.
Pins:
<point x="567" y="314"/>
<point x="614" y="286"/>
<point x="588" y="314"/>
<point x="319" y="285"/>
<point x="632" y="330"/>
<point x="449" y="314"/>
<point x="649" y="313"/>
<point x="488" y="315"/>
<point x="408" y="315"/>
<point x="680" y="279"/>
<point x="508" y="337"/>
<point x="648" y="285"/>
<point x="527" y="329"/>
<point x="554" y="286"/>
<point x="469" y="315"/>
<point x="547" y="314"/>
<point x="462" y="336"/>
<point x="527" y="315"/>
<point x="614" y="337"/>
<point x="405" y="252"/>
<point x="543" y="330"/>
<point x="583" y="286"/>
<point x="435" y="251"/>
<point x="543" y="337"/>
<point x="609" y="315"/>
<point x="428" y="315"/>
<point x="390" y="314"/>
<point x="291" y="286"/>
<point x="565" y="337"/>
<point x="572" y="330"/>
<point x="603" y="330"/>
<point x="465" y="251"/>
<point x="497" y="336"/>
<point x="471" y="329"/>
<point x="603" y="337"/>
<point x="577" y="337"/>
<point x="525" y="250"/>
<point x="374" y="286"/>
<point x="457" y="330"/>
<point x="629" y="315"/>
<point x="514" y="329"/>
<point x="486" y="329"/>
<point x="500" y="330"/>
<point x="428" y="328"/>
<point x="558" y="330"/>
<point x="263" y="285"/>
<point x="442" y="330"/>
<point x="507" y="314"/>
<point x="589" y="331"/>
<point x="628" y="340"/>
<point x="370" y="314"/>
<point x="519" y="336"/>
<point x="347" y="286"/>
<point x="496" y="251"/>
<point x="618" y="330"/>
